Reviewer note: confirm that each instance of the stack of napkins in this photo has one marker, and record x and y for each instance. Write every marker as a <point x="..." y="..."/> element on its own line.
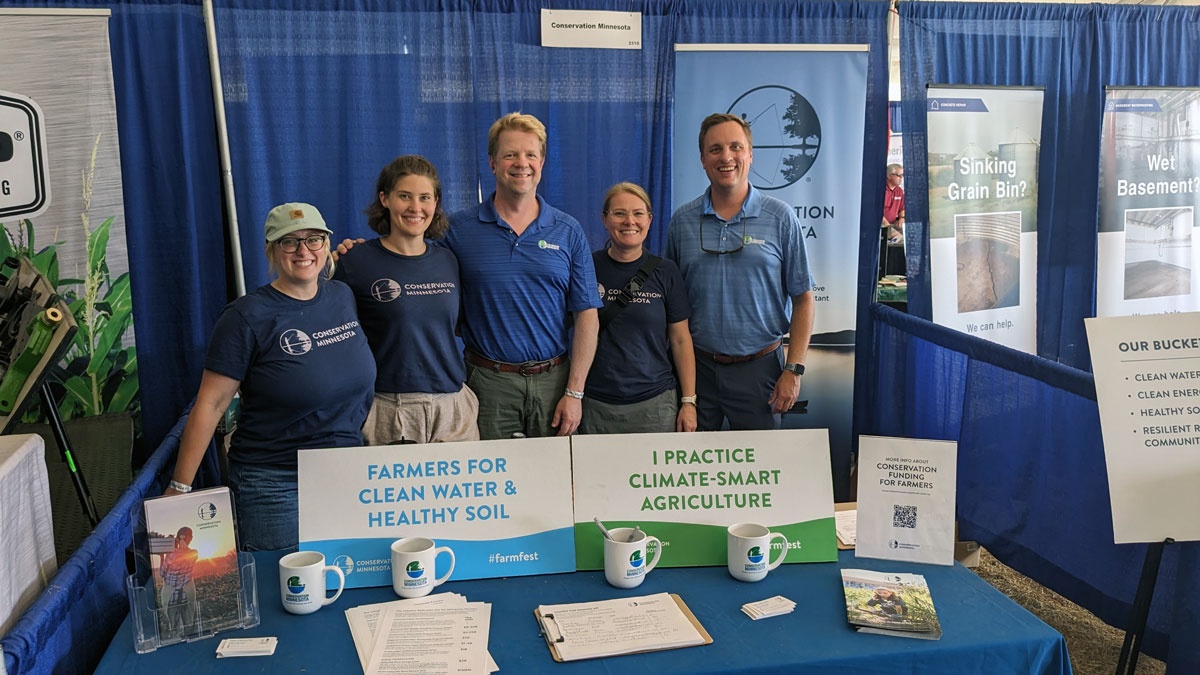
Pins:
<point x="769" y="607"/>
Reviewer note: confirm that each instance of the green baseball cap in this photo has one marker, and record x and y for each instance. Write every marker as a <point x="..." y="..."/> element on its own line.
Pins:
<point x="291" y="217"/>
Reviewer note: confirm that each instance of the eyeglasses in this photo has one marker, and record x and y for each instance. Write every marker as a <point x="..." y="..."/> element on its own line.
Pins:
<point x="898" y="175"/>
<point x="314" y="242"/>
<point x="741" y="241"/>
<point x="622" y="214"/>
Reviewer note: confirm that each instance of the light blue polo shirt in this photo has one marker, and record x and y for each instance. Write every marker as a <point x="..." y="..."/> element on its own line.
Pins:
<point x="741" y="302"/>
<point x="518" y="290"/>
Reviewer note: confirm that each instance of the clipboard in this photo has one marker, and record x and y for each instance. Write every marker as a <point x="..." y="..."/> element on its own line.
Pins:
<point x="554" y="636"/>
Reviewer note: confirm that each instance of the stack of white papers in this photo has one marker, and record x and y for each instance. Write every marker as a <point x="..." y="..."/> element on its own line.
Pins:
<point x="259" y="646"/>
<point x="441" y="633"/>
<point x="769" y="607"/>
<point x="845" y="523"/>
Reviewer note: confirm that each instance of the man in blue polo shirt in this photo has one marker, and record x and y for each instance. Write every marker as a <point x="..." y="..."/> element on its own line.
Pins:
<point x="524" y="266"/>
<point x="745" y="266"/>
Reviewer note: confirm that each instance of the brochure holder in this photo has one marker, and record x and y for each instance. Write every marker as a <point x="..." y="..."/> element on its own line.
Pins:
<point x="152" y="626"/>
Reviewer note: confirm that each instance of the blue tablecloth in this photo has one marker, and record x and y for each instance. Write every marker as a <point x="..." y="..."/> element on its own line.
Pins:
<point x="984" y="631"/>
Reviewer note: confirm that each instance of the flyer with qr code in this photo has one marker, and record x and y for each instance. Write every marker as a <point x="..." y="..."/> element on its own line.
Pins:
<point x="906" y="495"/>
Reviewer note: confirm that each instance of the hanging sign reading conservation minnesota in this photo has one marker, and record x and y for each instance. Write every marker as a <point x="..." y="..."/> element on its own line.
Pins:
<point x="983" y="192"/>
<point x="686" y="489"/>
<point x="1146" y="256"/>
<point x="503" y="507"/>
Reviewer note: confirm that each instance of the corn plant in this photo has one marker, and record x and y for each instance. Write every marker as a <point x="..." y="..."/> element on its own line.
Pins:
<point x="98" y="373"/>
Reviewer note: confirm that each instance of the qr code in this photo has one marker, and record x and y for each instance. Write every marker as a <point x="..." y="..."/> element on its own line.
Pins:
<point x="904" y="516"/>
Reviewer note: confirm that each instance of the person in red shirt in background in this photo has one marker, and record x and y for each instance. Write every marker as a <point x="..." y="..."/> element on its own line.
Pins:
<point x="892" y="228"/>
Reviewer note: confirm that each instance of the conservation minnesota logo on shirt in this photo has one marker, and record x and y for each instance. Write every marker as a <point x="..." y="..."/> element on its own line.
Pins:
<point x="387" y="290"/>
<point x="542" y="243"/>
<point x="295" y="342"/>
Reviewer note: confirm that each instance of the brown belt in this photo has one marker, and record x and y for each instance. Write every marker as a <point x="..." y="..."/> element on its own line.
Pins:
<point x="728" y="359"/>
<point x="527" y="369"/>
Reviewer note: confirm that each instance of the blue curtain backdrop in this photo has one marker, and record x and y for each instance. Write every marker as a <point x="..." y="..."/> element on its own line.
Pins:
<point x="320" y="97"/>
<point x="1010" y="44"/>
<point x="173" y="210"/>
<point x="1032" y="482"/>
<point x="356" y="83"/>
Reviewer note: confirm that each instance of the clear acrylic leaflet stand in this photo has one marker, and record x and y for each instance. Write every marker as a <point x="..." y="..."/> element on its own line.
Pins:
<point x="236" y="608"/>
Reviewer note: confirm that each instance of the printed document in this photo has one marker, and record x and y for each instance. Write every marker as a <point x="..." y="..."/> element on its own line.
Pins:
<point x="419" y="640"/>
<point x="622" y="626"/>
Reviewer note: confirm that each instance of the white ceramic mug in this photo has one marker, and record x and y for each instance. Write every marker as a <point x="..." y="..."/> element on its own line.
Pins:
<point x="749" y="551"/>
<point x="413" y="566"/>
<point x="625" y="559"/>
<point x="302" y="581"/>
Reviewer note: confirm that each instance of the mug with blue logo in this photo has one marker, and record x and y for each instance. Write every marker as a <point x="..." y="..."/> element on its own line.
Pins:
<point x="413" y="564"/>
<point x="302" y="581"/>
<point x="626" y="560"/>
<point x="750" y="551"/>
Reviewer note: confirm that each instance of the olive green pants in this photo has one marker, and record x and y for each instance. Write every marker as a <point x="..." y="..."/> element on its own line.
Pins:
<point x="512" y="403"/>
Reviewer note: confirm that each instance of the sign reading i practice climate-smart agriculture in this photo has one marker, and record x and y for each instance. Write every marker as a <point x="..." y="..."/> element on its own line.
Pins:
<point x="686" y="489"/>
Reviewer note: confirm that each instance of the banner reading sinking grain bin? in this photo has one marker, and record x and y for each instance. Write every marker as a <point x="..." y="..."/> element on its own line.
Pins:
<point x="984" y="144"/>
<point x="1146" y="255"/>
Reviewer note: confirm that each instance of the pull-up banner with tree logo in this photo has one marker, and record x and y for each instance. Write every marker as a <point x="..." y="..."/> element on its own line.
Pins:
<point x="806" y="107"/>
<point x="984" y="144"/>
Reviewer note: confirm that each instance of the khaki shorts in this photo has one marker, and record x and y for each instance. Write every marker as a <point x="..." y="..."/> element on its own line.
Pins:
<point x="422" y="418"/>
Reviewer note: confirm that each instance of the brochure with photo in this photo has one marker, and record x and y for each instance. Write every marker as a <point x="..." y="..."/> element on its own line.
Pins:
<point x="889" y="603"/>
<point x="194" y="563"/>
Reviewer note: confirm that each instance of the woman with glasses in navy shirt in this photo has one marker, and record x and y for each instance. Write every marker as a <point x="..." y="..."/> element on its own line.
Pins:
<point x="295" y="351"/>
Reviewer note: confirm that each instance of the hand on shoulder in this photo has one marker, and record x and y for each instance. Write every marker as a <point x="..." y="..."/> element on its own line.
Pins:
<point x="344" y="247"/>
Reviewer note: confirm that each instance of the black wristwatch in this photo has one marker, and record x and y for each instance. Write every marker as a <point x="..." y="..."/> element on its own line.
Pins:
<point x="797" y="368"/>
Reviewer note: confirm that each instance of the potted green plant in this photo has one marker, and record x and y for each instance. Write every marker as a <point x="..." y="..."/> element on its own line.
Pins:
<point x="98" y="374"/>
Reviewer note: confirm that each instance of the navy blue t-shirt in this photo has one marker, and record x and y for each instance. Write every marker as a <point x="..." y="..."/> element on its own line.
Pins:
<point x="633" y="357"/>
<point x="409" y="307"/>
<point x="306" y="372"/>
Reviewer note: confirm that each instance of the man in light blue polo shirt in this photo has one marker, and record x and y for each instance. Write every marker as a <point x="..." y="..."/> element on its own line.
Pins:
<point x="525" y="265"/>
<point x="745" y="266"/>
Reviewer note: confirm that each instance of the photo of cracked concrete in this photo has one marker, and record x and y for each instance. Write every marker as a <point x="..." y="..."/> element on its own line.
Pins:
<point x="988" y="259"/>
<point x="1158" y="252"/>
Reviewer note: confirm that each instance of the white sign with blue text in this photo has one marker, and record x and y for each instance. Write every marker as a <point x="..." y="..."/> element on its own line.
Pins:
<point x="503" y="507"/>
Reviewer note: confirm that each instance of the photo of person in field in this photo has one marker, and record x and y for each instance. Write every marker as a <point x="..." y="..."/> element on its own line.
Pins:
<point x="194" y="564"/>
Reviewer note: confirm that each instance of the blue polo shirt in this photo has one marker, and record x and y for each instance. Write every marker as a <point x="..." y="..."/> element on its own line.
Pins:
<point x="741" y="302"/>
<point x="518" y="290"/>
